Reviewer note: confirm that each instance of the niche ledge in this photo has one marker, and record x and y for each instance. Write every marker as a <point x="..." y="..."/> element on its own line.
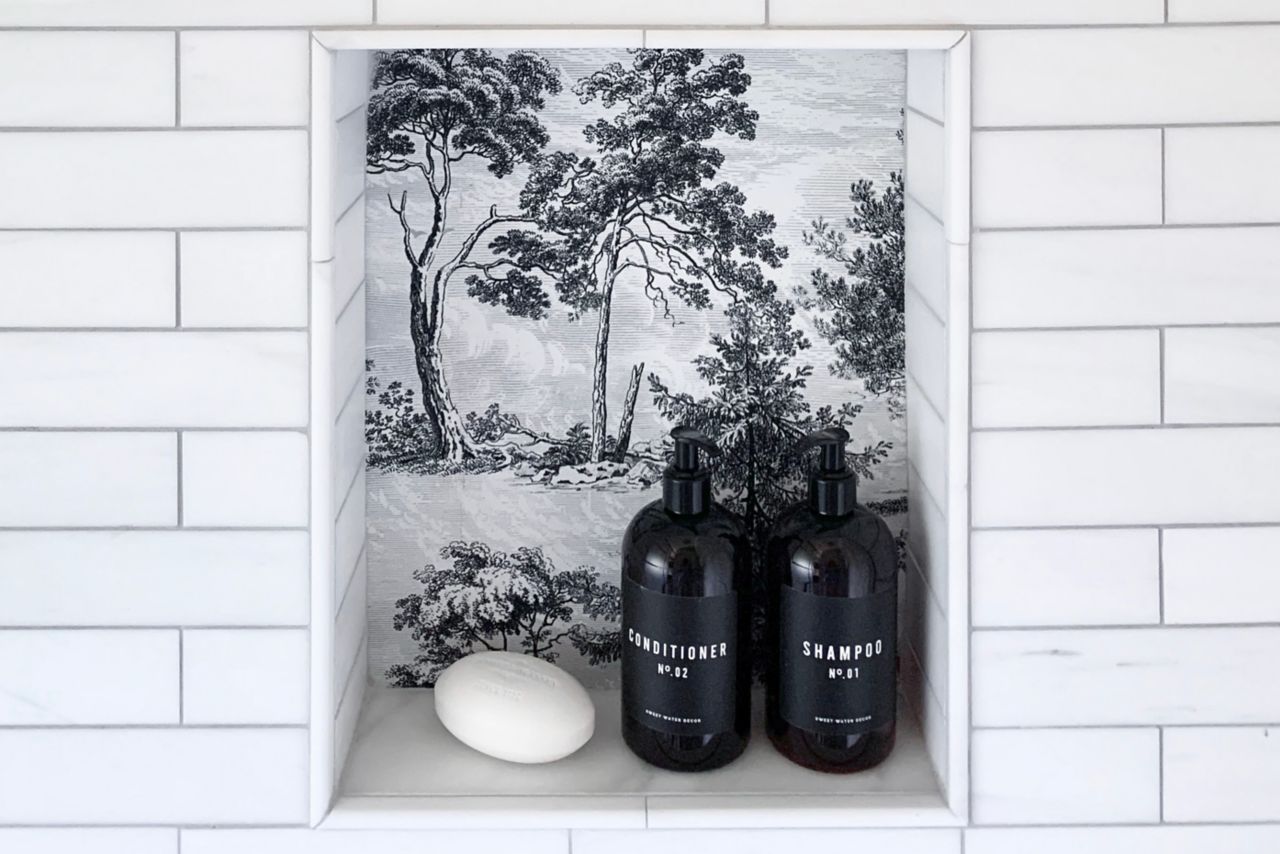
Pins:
<point x="405" y="771"/>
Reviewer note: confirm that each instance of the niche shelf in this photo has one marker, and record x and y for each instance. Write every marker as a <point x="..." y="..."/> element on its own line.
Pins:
<point x="381" y="759"/>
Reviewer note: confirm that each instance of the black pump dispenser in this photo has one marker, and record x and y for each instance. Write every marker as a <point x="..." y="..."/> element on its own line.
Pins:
<point x="686" y="621"/>
<point x="832" y="581"/>
<point x="686" y="484"/>
<point x="833" y="488"/>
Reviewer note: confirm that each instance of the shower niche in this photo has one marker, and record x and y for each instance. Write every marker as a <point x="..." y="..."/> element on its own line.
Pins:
<point x="536" y="252"/>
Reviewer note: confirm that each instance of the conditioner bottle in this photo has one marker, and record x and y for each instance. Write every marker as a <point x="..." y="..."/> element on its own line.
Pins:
<point x="832" y="581"/>
<point x="686" y="621"/>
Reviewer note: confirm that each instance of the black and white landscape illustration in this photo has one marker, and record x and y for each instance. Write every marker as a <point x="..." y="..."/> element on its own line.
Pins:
<point x="569" y="253"/>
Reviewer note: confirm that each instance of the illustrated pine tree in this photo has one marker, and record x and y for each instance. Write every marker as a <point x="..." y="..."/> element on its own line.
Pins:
<point x="861" y="313"/>
<point x="644" y="211"/>
<point x="494" y="600"/>
<point x="757" y="412"/>
<point x="432" y="109"/>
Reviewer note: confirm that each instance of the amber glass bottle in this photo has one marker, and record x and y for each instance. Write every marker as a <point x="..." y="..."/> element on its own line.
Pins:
<point x="686" y="664"/>
<point x="832" y="683"/>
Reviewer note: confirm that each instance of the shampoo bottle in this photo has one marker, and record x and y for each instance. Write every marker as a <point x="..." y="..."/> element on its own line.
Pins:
<point x="832" y="581"/>
<point x="686" y="664"/>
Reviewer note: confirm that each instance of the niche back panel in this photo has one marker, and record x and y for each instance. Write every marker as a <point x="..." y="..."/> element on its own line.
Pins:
<point x="736" y="214"/>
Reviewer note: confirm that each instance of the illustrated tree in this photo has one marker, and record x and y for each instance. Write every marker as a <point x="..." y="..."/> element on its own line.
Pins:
<point x="757" y="413"/>
<point x="432" y="109"/>
<point x="756" y="409"/>
<point x="395" y="433"/>
<point x="861" y="312"/>
<point x="492" y="600"/>
<point x="643" y="212"/>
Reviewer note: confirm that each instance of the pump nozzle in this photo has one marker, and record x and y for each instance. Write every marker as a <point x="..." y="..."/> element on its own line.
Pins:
<point x="686" y="485"/>
<point x="833" y="487"/>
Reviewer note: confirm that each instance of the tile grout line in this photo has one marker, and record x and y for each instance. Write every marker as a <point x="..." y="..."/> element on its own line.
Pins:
<point x="1145" y="226"/>
<point x="1160" y="748"/>
<point x="172" y="529"/>
<point x="69" y="330"/>
<point x="1160" y="570"/>
<point x="128" y="229"/>
<point x="1126" y="327"/>
<point x="988" y="628"/>
<point x="968" y="463"/>
<point x="1217" y="725"/>
<point x="1164" y="179"/>
<point x="148" y="129"/>
<point x="149" y="728"/>
<point x="177" y="279"/>
<point x="1163" y="419"/>
<point x="177" y="78"/>
<point x="1102" y="126"/>
<point x="350" y="207"/>
<point x="182" y="669"/>
<point x="1169" y="526"/>
<point x="104" y="627"/>
<point x="925" y="116"/>
<point x="168" y="428"/>
<point x="1169" y="426"/>
<point x="925" y="26"/>
<point x="179" y="459"/>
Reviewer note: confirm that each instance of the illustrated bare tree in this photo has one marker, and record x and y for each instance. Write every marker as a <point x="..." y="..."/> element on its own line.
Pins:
<point x="643" y="212"/>
<point x="431" y="110"/>
<point x="493" y="600"/>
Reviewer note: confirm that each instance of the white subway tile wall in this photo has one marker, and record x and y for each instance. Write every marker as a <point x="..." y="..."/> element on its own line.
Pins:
<point x="141" y="775"/>
<point x="1220" y="839"/>
<point x="74" y="677"/>
<point x="156" y="179"/>
<point x="133" y="282"/>
<point x="1066" y="378"/>
<point x="1221" y="575"/>
<point x="1066" y="776"/>
<point x="243" y="78"/>
<point x="190" y="578"/>
<point x="1123" y="566"/>
<point x="244" y="676"/>
<point x="1140" y="277"/>
<point x="99" y="840"/>
<point x="88" y="480"/>
<point x="1209" y="11"/>
<point x="1222" y="175"/>
<point x="154" y="379"/>
<point x="1061" y="677"/>
<point x="1066" y="178"/>
<point x="1221" y="774"/>
<point x="577" y="13"/>
<point x="975" y="12"/>
<point x="71" y="79"/>
<point x="244" y="479"/>
<point x="244" y="279"/>
<point x="766" y="841"/>
<point x="1066" y="578"/>
<point x="1222" y="375"/>
<point x="1133" y="76"/>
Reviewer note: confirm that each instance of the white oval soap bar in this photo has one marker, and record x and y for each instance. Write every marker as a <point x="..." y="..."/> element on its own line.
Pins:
<point x="515" y="707"/>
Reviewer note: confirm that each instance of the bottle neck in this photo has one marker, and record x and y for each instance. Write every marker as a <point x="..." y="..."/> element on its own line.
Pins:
<point x="833" y="496"/>
<point x="686" y="494"/>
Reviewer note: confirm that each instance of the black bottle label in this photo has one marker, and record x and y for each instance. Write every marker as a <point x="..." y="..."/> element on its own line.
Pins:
<point x="679" y="660"/>
<point x="838" y="661"/>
